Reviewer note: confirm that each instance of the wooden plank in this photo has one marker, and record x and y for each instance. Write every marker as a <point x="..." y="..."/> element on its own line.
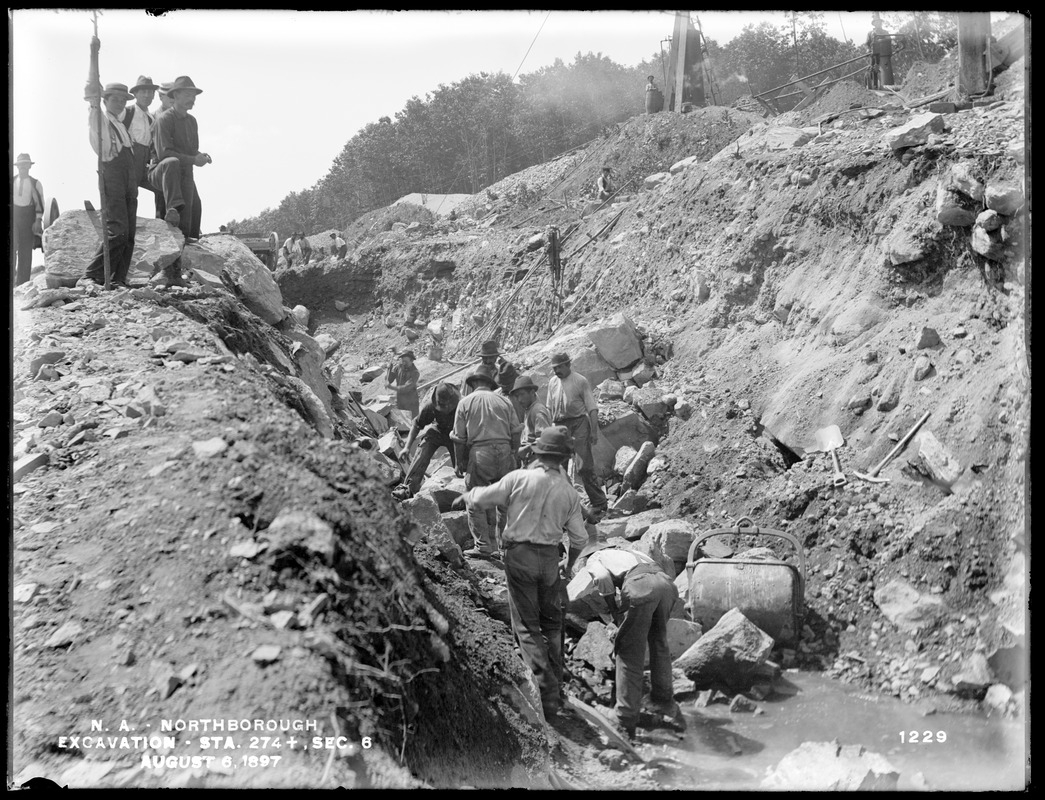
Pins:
<point x="596" y="719"/>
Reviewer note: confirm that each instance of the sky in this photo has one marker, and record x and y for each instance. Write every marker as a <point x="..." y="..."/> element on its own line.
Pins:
<point x="283" y="91"/>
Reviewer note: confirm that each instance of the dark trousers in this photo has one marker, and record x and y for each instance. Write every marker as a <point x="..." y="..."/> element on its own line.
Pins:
<point x="22" y="241"/>
<point x="120" y="189"/>
<point x="535" y="605"/>
<point x="174" y="180"/>
<point x="487" y="463"/>
<point x="431" y="439"/>
<point x="648" y="595"/>
<point x="580" y="428"/>
<point x="342" y="251"/>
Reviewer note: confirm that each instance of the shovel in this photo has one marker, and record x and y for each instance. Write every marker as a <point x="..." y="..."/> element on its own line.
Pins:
<point x="829" y="439"/>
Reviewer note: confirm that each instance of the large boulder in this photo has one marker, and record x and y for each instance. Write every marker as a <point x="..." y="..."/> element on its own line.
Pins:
<point x="629" y="429"/>
<point x="830" y="767"/>
<point x="595" y="647"/>
<point x="673" y="536"/>
<point x="915" y="131"/>
<point x="906" y="607"/>
<point x="617" y="341"/>
<point x="1001" y="197"/>
<point x="649" y="548"/>
<point x="730" y="653"/>
<point x="251" y="280"/>
<point x="309" y="357"/>
<point x="934" y="461"/>
<point x="71" y="242"/>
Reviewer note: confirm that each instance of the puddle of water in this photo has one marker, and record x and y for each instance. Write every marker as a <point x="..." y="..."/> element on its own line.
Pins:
<point x="976" y="753"/>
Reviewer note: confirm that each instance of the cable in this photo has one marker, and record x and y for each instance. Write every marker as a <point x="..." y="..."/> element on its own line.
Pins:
<point x="531" y="45"/>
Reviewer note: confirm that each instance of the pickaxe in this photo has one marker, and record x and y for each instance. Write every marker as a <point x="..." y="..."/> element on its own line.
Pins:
<point x="872" y="476"/>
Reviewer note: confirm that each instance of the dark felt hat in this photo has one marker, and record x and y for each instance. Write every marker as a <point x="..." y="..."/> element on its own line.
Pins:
<point x="183" y="82"/>
<point x="489" y="348"/>
<point x="560" y="358"/>
<point x="144" y="82"/>
<point x="118" y="89"/>
<point x="407" y="354"/>
<point x="554" y="441"/>
<point x="524" y="382"/>
<point x="482" y="373"/>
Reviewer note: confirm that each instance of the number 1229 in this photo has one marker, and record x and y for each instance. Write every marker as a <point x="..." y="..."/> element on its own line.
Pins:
<point x="922" y="737"/>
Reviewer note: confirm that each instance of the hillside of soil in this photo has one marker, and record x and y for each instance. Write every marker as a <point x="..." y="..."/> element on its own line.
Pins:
<point x="189" y="543"/>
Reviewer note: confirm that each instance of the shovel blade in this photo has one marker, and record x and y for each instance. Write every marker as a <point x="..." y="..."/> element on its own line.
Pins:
<point x="829" y="438"/>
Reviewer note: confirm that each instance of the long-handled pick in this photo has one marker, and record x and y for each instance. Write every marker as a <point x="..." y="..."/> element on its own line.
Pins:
<point x="872" y="476"/>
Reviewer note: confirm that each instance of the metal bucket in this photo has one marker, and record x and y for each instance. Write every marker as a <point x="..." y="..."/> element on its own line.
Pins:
<point x="769" y="593"/>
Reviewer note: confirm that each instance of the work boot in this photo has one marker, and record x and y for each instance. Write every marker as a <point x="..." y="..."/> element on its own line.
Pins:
<point x="172" y="217"/>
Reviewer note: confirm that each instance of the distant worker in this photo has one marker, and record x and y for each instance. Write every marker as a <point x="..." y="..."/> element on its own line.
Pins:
<point x="572" y="403"/>
<point x="117" y="178"/>
<point x="403" y="377"/>
<point x="432" y="428"/>
<point x="223" y="229"/>
<point x="605" y="184"/>
<point x="880" y="45"/>
<point x="650" y="87"/>
<point x="178" y="143"/>
<point x="486" y="435"/>
<point x="27" y="220"/>
<point x="492" y="356"/>
<point x="540" y="505"/>
<point x="290" y="248"/>
<point x="647" y="596"/>
<point x="338" y="248"/>
<point x="305" y="247"/>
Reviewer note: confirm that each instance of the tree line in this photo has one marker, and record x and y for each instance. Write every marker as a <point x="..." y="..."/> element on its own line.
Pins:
<point x="466" y="136"/>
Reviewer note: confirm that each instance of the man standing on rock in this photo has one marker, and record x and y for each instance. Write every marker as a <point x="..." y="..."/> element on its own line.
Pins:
<point x="535" y="415"/>
<point x="178" y="151"/>
<point x="647" y="596"/>
<point x="433" y="427"/>
<point x="119" y="183"/>
<point x="486" y="435"/>
<point x="541" y="504"/>
<point x="572" y="403"/>
<point x="27" y="221"/>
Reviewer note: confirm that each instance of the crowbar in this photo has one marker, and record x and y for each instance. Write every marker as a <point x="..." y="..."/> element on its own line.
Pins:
<point x="872" y="476"/>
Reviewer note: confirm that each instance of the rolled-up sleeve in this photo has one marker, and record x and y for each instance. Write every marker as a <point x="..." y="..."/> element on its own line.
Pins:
<point x="460" y="432"/>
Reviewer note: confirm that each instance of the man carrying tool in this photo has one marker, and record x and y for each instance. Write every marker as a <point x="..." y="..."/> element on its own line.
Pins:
<point x="572" y="403"/>
<point x="433" y="427"/>
<point x="541" y="505"/>
<point x="118" y="182"/>
<point x="647" y="596"/>
<point x="486" y="435"/>
<point x="535" y="415"/>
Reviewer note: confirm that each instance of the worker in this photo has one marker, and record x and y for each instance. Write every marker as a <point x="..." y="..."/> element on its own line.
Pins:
<point x="165" y="102"/>
<point x="290" y="248"/>
<point x="305" y="247"/>
<point x="605" y="184"/>
<point x="880" y="45"/>
<point x="541" y="504"/>
<point x="572" y="403"/>
<point x="142" y="129"/>
<point x="117" y="179"/>
<point x="432" y="427"/>
<point x="178" y="143"/>
<point x="492" y="356"/>
<point x="486" y="436"/>
<point x="338" y="248"/>
<point x="647" y="596"/>
<point x="403" y="377"/>
<point x="650" y="86"/>
<point x="27" y="221"/>
<point x="535" y="415"/>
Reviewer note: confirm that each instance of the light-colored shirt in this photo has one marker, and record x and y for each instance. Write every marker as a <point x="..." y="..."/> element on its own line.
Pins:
<point x="541" y="504"/>
<point x="23" y="193"/>
<point x="485" y="416"/>
<point x="570" y="397"/>
<point x="142" y="126"/>
<point x="339" y="242"/>
<point x="114" y="136"/>
<point x="608" y="569"/>
<point x="537" y="419"/>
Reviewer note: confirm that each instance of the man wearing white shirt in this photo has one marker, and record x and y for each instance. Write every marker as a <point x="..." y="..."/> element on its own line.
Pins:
<point x="142" y="128"/>
<point x="27" y="217"/>
<point x="118" y="180"/>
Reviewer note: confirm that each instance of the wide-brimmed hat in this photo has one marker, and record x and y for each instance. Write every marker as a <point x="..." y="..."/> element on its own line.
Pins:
<point x="183" y="82"/>
<point x="144" y="82"/>
<point x="407" y="354"/>
<point x="594" y="547"/>
<point x="489" y="348"/>
<point x="165" y="87"/>
<point x="607" y="169"/>
<point x="23" y="158"/>
<point x="333" y="236"/>
<point x="554" y="441"/>
<point x="117" y="88"/>
<point x="524" y="382"/>
<point x="560" y="358"/>
<point x="482" y="373"/>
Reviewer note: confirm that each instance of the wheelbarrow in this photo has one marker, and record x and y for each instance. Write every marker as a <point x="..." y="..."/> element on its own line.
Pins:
<point x="770" y="593"/>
